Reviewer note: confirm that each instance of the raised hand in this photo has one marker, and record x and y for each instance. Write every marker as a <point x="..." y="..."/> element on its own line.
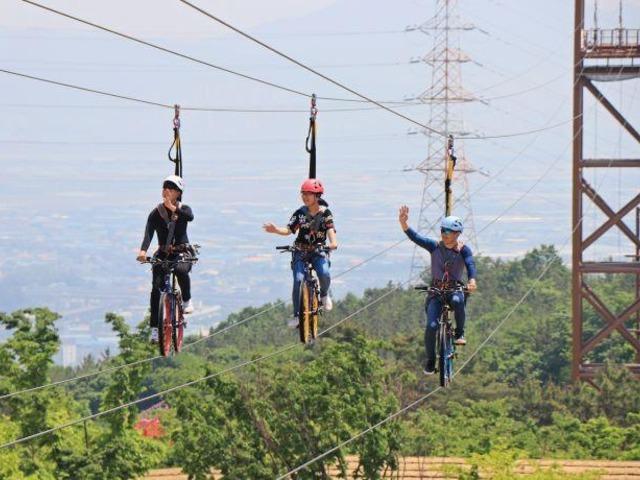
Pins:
<point x="169" y="205"/>
<point x="403" y="217"/>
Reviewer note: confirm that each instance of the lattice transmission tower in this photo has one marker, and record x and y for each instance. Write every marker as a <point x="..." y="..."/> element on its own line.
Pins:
<point x="444" y="97"/>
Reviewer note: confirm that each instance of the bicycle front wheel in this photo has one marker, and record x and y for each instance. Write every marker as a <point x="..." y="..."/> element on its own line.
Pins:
<point x="165" y="323"/>
<point x="445" y="356"/>
<point x="178" y="325"/>
<point x="314" y="314"/>
<point x="305" y="312"/>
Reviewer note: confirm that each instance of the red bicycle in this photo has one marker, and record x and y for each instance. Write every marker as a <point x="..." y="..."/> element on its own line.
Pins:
<point x="171" y="323"/>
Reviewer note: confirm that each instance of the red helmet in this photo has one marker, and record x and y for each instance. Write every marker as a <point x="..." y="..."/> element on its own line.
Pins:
<point x="312" y="185"/>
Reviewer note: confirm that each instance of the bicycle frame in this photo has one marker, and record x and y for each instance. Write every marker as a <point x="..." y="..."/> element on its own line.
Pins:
<point x="309" y="293"/>
<point x="445" y="346"/>
<point x="171" y="322"/>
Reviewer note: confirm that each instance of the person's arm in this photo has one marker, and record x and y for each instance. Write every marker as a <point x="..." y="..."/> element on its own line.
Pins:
<point x="470" y="263"/>
<point x="333" y="241"/>
<point x="291" y="227"/>
<point x="271" y="228"/>
<point x="331" y="229"/>
<point x="427" y="243"/>
<point x="185" y="212"/>
<point x="146" y="240"/>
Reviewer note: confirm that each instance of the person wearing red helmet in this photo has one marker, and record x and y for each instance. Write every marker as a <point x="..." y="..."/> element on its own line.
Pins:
<point x="313" y="223"/>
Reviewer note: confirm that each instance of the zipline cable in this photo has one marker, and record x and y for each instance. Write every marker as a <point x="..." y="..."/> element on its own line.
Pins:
<point x="185" y="56"/>
<point x="309" y="69"/>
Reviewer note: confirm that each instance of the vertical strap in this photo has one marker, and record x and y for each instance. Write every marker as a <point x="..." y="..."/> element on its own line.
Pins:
<point x="310" y="142"/>
<point x="450" y="164"/>
<point x="176" y="142"/>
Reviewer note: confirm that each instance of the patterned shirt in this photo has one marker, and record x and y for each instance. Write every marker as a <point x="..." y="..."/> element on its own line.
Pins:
<point x="311" y="229"/>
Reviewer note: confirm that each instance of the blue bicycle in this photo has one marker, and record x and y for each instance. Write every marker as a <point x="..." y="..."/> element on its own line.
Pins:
<point x="445" y="345"/>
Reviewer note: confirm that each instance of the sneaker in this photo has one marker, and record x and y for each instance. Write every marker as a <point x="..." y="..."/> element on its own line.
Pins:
<point x="326" y="302"/>
<point x="154" y="335"/>
<point x="293" y="323"/>
<point x="187" y="307"/>
<point x="460" y="340"/>
<point x="429" y="368"/>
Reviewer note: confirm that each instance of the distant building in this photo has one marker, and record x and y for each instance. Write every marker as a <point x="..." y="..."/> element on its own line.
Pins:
<point x="69" y="354"/>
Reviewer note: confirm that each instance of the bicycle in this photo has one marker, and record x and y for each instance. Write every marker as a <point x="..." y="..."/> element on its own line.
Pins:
<point x="445" y="345"/>
<point x="309" y="310"/>
<point x="171" y="323"/>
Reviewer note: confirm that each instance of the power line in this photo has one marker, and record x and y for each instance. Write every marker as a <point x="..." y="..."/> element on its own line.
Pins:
<point x="282" y="350"/>
<point x="309" y="69"/>
<point x="424" y="397"/>
<point x="200" y="340"/>
<point x="527" y="192"/>
<point x="167" y="106"/>
<point x="202" y="379"/>
<point x="468" y="360"/>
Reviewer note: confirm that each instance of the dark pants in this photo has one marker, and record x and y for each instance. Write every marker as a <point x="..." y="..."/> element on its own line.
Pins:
<point x="182" y="275"/>
<point x="433" y="309"/>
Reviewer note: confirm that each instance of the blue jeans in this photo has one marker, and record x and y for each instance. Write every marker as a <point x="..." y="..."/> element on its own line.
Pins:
<point x="434" y="310"/>
<point x="320" y="265"/>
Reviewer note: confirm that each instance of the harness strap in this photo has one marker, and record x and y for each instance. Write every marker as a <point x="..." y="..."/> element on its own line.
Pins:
<point x="310" y="142"/>
<point x="176" y="142"/>
<point x="171" y="227"/>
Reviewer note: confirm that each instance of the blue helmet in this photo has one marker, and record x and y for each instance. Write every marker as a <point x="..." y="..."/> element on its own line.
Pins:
<point x="452" y="223"/>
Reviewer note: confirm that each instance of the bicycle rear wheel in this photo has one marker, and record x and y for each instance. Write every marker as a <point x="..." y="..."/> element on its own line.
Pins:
<point x="165" y="320"/>
<point x="304" y="316"/>
<point x="178" y="327"/>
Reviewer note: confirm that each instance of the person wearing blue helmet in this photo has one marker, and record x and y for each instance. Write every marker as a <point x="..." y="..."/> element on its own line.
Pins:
<point x="449" y="258"/>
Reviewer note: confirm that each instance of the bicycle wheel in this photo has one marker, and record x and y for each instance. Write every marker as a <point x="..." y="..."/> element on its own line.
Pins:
<point x="165" y="328"/>
<point x="445" y="355"/>
<point x="178" y="326"/>
<point x="304" y="316"/>
<point x="314" y="314"/>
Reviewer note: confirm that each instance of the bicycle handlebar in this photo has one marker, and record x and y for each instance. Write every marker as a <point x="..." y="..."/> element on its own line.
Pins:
<point x="441" y="291"/>
<point x="158" y="261"/>
<point x="296" y="248"/>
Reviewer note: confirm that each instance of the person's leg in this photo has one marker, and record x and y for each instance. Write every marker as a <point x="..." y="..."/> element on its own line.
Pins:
<point x="433" y="310"/>
<point x="297" y="266"/>
<point x="184" y="280"/>
<point x="321" y="266"/>
<point x="156" y="283"/>
<point x="456" y="300"/>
